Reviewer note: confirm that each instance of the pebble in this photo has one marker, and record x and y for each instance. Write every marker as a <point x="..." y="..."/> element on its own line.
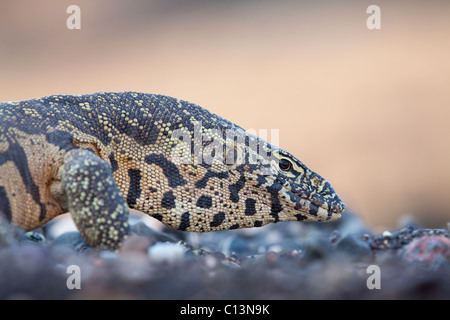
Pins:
<point x="429" y="251"/>
<point x="318" y="248"/>
<point x="230" y="263"/>
<point x="135" y="243"/>
<point x="211" y="262"/>
<point x="35" y="237"/>
<point x="166" y="252"/>
<point x="355" y="247"/>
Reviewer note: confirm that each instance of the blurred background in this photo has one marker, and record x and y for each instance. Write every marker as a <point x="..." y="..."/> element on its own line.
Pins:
<point x="367" y="109"/>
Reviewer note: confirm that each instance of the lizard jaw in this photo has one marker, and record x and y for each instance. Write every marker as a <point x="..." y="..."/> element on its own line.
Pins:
<point x="309" y="211"/>
<point x="325" y="213"/>
<point x="322" y="214"/>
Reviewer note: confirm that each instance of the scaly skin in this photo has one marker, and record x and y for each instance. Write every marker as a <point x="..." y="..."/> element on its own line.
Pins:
<point x="97" y="155"/>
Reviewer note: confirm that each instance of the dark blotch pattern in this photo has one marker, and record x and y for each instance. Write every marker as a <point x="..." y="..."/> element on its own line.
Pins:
<point x="184" y="222"/>
<point x="301" y="217"/>
<point x="168" y="200"/>
<point x="204" y="202"/>
<point x="276" y="206"/>
<point x="62" y="139"/>
<point x="17" y="155"/>
<point x="5" y="207"/>
<point x="257" y="223"/>
<point x="134" y="191"/>
<point x="313" y="209"/>
<point x="170" y="170"/>
<point x="261" y="180"/>
<point x="218" y="219"/>
<point x="235" y="188"/>
<point x="250" y="207"/>
<point x="114" y="164"/>
<point x="201" y="184"/>
<point x="297" y="206"/>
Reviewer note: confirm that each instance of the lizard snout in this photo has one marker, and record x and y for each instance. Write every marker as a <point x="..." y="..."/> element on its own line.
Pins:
<point x="328" y="199"/>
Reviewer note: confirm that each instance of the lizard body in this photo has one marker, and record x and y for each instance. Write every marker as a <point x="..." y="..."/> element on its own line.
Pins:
<point x="97" y="155"/>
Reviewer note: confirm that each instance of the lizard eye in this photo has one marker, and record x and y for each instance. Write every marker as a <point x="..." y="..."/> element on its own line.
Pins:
<point x="285" y="165"/>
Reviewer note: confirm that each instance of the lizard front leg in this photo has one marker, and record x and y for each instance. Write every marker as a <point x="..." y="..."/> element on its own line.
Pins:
<point x="94" y="200"/>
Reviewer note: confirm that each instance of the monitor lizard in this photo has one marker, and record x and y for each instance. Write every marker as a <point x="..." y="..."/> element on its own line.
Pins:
<point x="97" y="155"/>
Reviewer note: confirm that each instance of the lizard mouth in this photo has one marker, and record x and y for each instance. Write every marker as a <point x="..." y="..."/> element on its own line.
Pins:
<point x="325" y="214"/>
<point x="314" y="212"/>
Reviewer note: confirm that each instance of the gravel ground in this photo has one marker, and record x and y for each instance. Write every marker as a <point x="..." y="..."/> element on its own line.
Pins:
<point x="341" y="260"/>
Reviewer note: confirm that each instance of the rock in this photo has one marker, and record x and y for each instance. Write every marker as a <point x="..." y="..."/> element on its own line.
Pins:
<point x="335" y="236"/>
<point x="432" y="252"/>
<point x="9" y="234"/>
<point x="238" y="246"/>
<point x="355" y="247"/>
<point x="166" y="252"/>
<point x="318" y="248"/>
<point x="135" y="243"/>
<point x="387" y="234"/>
<point x="34" y="237"/>
<point x="73" y="240"/>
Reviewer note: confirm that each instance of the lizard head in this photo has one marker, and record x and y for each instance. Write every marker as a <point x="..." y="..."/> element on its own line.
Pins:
<point x="303" y="194"/>
<point x="287" y="190"/>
